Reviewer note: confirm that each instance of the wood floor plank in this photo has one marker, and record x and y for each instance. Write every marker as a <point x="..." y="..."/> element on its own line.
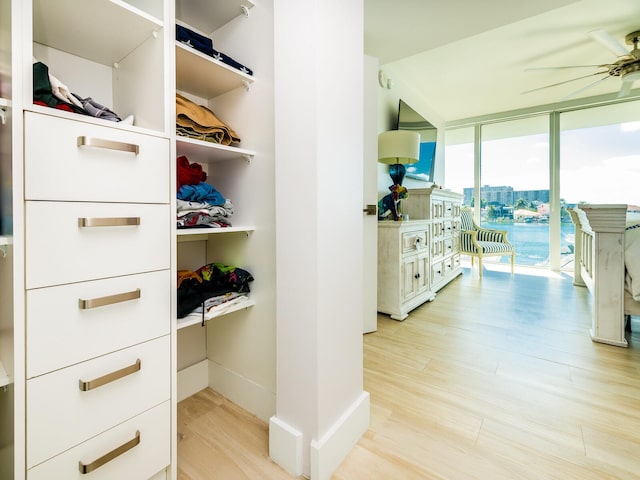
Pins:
<point x="496" y="379"/>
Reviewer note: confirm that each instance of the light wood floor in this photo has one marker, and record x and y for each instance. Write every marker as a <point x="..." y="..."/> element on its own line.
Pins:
<point x="495" y="379"/>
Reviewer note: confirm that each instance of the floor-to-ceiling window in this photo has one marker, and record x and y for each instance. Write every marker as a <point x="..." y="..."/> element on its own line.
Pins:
<point x="598" y="160"/>
<point x="600" y="154"/>
<point x="514" y="179"/>
<point x="459" y="162"/>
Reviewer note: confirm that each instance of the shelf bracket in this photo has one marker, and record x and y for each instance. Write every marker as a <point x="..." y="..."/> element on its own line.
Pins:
<point x="246" y="84"/>
<point x="247" y="158"/>
<point x="3" y="116"/>
<point x="245" y="10"/>
<point x="3" y="251"/>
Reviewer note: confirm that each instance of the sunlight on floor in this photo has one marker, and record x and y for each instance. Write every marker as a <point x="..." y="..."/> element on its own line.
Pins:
<point x="494" y="266"/>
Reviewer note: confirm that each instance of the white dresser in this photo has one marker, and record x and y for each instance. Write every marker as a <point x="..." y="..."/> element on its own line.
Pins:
<point x="403" y="267"/>
<point x="98" y="311"/>
<point x="90" y="242"/>
<point x="420" y="256"/>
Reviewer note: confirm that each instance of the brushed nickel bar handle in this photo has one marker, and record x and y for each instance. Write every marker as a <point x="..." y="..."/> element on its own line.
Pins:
<point x="108" y="221"/>
<point x="109" y="144"/>
<point x="107" y="457"/>
<point x="109" y="377"/>
<point x="86" y="304"/>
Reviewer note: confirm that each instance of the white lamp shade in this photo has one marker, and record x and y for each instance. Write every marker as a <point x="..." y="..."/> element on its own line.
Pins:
<point x="398" y="146"/>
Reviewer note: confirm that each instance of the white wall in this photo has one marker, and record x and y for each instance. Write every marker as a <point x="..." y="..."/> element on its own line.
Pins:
<point x="388" y="100"/>
<point x="321" y="407"/>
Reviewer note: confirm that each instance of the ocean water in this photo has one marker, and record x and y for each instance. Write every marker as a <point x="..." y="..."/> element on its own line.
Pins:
<point x="531" y="241"/>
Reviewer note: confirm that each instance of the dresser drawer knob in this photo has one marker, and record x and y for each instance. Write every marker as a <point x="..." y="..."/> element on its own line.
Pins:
<point x="108" y="221"/>
<point x="107" y="457"/>
<point x="85" y="386"/>
<point x="86" y="304"/>
<point x="109" y="144"/>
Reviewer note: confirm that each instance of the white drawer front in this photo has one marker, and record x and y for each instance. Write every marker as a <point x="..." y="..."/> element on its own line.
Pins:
<point x="60" y="251"/>
<point x="414" y="241"/>
<point x="64" y="327"/>
<point x="61" y="415"/>
<point x="57" y="168"/>
<point x="140" y="461"/>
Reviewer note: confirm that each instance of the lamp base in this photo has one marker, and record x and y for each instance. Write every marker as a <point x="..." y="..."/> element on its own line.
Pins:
<point x="397" y="172"/>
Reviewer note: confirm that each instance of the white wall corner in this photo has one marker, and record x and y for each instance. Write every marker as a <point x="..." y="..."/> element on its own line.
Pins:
<point x="192" y="379"/>
<point x="285" y="446"/>
<point x="244" y="392"/>
<point x="328" y="452"/>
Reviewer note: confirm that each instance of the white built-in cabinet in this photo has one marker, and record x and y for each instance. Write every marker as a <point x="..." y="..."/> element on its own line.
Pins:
<point x="418" y="257"/>
<point x="202" y="79"/>
<point x="229" y="93"/>
<point x="92" y="357"/>
<point x="87" y="230"/>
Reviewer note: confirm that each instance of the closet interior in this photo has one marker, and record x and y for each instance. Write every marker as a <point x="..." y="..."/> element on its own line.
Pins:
<point x="97" y="344"/>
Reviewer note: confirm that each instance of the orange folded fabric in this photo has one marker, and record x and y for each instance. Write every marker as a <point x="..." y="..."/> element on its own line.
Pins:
<point x="203" y="121"/>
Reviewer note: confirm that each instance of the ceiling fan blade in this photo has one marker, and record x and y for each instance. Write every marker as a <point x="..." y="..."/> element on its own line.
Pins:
<point x="625" y="89"/>
<point x="609" y="42"/>
<point x="567" y="66"/>
<point x="593" y="84"/>
<point x="562" y="83"/>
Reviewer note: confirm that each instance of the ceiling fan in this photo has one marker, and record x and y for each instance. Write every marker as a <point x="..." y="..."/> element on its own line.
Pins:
<point x="626" y="67"/>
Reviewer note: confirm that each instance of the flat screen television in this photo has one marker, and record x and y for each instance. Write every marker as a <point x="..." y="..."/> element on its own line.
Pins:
<point x="409" y="119"/>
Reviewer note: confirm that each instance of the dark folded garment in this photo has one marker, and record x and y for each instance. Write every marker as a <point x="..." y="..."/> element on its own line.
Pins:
<point x="205" y="45"/>
<point x="231" y="62"/>
<point x="195" y="40"/>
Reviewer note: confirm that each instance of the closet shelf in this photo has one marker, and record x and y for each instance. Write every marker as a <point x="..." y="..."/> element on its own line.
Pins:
<point x="211" y="152"/>
<point x="118" y="29"/>
<point x="196" y="318"/>
<point x="54" y="112"/>
<point x="196" y="234"/>
<point x="205" y="76"/>
<point x="208" y="16"/>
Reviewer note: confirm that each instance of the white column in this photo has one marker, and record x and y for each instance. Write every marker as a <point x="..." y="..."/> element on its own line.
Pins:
<point x="321" y="408"/>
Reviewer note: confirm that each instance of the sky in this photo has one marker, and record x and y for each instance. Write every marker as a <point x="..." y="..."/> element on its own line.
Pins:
<point x="598" y="164"/>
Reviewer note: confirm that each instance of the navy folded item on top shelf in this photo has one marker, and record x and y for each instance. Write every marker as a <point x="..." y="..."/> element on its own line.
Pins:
<point x="205" y="45"/>
<point x="231" y="62"/>
<point x="195" y="40"/>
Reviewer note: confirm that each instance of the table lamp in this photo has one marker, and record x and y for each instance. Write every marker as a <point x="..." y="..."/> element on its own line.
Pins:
<point x="396" y="148"/>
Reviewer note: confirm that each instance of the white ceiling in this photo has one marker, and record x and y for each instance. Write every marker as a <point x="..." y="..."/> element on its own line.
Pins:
<point x="468" y="57"/>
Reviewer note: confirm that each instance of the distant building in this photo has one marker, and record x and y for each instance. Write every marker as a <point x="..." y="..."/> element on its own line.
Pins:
<point x="532" y="196"/>
<point x="505" y="195"/>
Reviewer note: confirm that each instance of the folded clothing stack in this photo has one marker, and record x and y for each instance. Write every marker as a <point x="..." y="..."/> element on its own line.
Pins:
<point x="211" y="285"/>
<point x="197" y="121"/>
<point x="205" y="45"/>
<point x="198" y="203"/>
<point x="48" y="91"/>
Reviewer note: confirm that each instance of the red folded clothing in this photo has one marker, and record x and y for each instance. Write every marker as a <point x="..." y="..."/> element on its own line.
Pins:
<point x="189" y="173"/>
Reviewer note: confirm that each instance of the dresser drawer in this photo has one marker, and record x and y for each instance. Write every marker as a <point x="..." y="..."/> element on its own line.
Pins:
<point x="69" y="406"/>
<point x="414" y="241"/>
<point x="59" y="250"/>
<point x="58" y="167"/>
<point x="71" y="323"/>
<point x="145" y="439"/>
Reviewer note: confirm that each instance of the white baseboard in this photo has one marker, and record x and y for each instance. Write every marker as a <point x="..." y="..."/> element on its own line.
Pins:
<point x="328" y="452"/>
<point x="193" y="379"/>
<point x="285" y="446"/>
<point x="242" y="391"/>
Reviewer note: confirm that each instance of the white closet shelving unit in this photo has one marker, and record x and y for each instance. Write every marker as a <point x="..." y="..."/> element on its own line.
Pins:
<point x="204" y="78"/>
<point x="92" y="325"/>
